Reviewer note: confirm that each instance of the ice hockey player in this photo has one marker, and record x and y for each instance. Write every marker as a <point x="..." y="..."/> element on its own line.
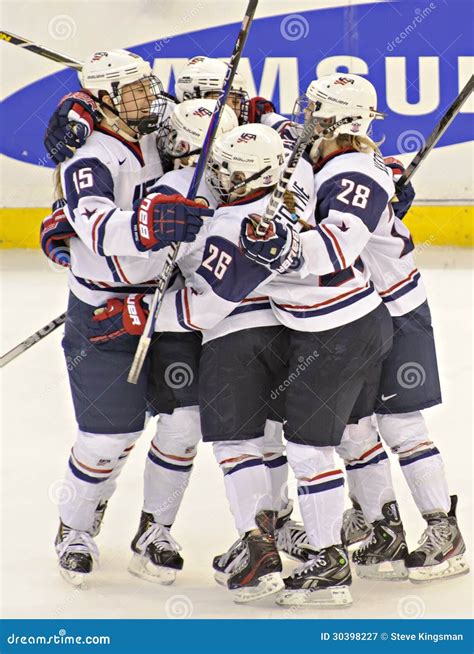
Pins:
<point x="410" y="380"/>
<point x="243" y="357"/>
<point x="117" y="251"/>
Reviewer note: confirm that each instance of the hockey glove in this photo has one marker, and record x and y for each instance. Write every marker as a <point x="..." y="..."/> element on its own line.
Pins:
<point x="125" y="317"/>
<point x="55" y="231"/>
<point x="70" y="125"/>
<point x="257" y="107"/>
<point x="406" y="196"/>
<point x="279" y="249"/>
<point x="160" y="220"/>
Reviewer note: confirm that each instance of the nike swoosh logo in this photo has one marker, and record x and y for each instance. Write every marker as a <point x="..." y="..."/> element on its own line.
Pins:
<point x="122" y="162"/>
<point x="384" y="398"/>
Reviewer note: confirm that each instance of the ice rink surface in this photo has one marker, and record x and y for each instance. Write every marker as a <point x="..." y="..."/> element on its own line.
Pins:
<point x="38" y="430"/>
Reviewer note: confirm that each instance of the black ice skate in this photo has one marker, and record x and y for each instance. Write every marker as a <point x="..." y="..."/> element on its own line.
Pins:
<point x="98" y="519"/>
<point x="322" y="581"/>
<point x="255" y="572"/>
<point x="354" y="526"/>
<point x="291" y="536"/>
<point x="223" y="563"/>
<point x="383" y="556"/>
<point x="77" y="552"/>
<point x="441" y="549"/>
<point x="156" y="555"/>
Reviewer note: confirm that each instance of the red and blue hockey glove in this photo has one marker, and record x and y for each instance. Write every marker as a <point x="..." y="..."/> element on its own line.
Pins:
<point x="406" y="196"/>
<point x="257" y="107"/>
<point x="160" y="220"/>
<point x="125" y="317"/>
<point x="70" y="125"/>
<point x="55" y="231"/>
<point x="279" y="249"/>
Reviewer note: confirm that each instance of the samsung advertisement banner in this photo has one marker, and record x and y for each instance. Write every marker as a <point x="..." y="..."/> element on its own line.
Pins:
<point x="417" y="54"/>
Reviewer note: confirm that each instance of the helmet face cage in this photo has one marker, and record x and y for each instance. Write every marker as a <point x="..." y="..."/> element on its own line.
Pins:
<point x="141" y="104"/>
<point x="227" y="185"/>
<point x="237" y="100"/>
<point x="173" y="150"/>
<point x="304" y="107"/>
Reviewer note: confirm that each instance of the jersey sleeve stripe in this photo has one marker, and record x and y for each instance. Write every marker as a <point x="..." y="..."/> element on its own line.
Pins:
<point x="94" y="231"/>
<point x="188" y="312"/>
<point x="122" y="274"/>
<point x="180" y="311"/>
<point x="336" y="244"/>
<point x="101" y="233"/>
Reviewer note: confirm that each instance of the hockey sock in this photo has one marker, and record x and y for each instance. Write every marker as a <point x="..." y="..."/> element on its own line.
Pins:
<point x="320" y="492"/>
<point x="367" y="467"/>
<point x="170" y="462"/>
<point x="420" y="460"/>
<point x="246" y="480"/>
<point x="276" y="463"/>
<point x="94" y="459"/>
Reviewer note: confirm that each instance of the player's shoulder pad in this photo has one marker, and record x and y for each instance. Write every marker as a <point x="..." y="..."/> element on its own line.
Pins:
<point x="352" y="192"/>
<point x="230" y="274"/>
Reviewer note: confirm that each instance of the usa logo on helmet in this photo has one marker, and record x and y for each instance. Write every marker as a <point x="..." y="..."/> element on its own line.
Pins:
<point x="343" y="81"/>
<point x="246" y="137"/>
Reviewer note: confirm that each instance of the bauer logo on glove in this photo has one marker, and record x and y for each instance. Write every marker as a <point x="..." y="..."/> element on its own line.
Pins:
<point x="125" y="318"/>
<point x="160" y="220"/>
<point x="279" y="249"/>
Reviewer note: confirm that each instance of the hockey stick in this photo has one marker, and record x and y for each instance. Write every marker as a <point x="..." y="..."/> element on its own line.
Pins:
<point x="446" y="120"/>
<point x="31" y="340"/>
<point x="166" y="273"/>
<point x="40" y="50"/>
<point x="276" y="197"/>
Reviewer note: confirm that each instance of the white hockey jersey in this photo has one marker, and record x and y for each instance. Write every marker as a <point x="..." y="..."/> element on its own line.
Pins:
<point x="388" y="254"/>
<point x="227" y="292"/>
<point x="101" y="182"/>
<point x="353" y="192"/>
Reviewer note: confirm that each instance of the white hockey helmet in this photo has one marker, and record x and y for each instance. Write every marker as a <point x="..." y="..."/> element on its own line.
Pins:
<point x="204" y="75"/>
<point x="347" y="103"/>
<point x="136" y="93"/>
<point x="247" y="158"/>
<point x="181" y="136"/>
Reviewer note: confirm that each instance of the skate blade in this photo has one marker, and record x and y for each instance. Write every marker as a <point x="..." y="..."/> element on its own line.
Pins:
<point x="221" y="578"/>
<point x="386" y="571"/>
<point x="454" y="567"/>
<point x="142" y="567"/>
<point x="268" y="585"/>
<point x="75" y="579"/>
<point x="326" y="598"/>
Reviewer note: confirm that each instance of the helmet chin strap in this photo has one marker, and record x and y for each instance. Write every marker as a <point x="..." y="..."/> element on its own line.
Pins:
<point x="327" y="134"/>
<point x="115" y="123"/>
<point x="249" y="179"/>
